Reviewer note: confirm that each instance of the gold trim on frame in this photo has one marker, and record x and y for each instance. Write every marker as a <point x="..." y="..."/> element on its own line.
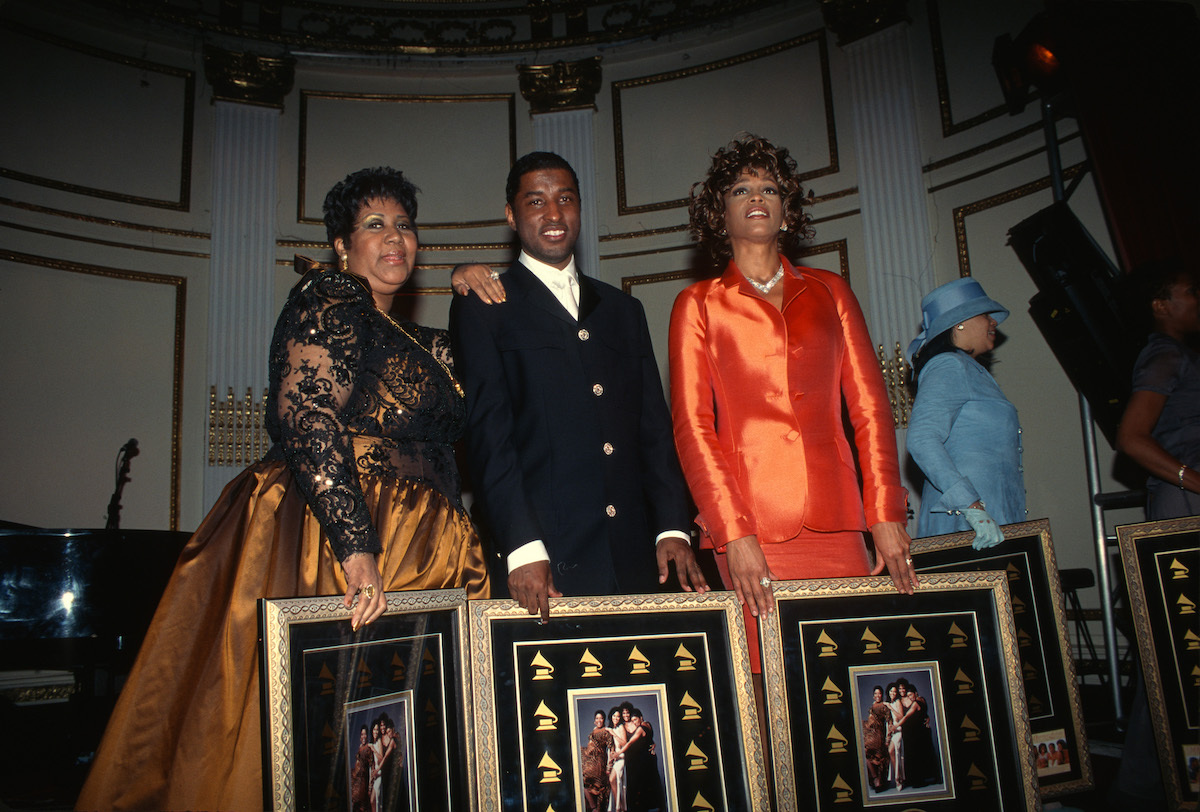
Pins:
<point x="186" y="127"/>
<point x="483" y="613"/>
<point x="817" y="37"/>
<point x="302" y="149"/>
<point x="776" y="682"/>
<point x="1056" y="602"/>
<point x="180" y="285"/>
<point x="275" y="616"/>
<point x="961" y="212"/>
<point x="1168" y="749"/>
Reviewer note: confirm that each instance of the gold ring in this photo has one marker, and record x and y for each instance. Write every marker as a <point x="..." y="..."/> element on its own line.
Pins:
<point x="369" y="591"/>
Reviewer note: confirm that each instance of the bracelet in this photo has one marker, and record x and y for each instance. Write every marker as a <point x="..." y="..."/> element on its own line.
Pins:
<point x="1182" y="468"/>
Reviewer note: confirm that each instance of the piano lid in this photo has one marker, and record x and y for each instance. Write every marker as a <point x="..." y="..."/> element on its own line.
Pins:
<point x="70" y="584"/>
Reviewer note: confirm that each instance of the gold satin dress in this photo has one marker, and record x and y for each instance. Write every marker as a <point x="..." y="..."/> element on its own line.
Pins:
<point x="364" y="414"/>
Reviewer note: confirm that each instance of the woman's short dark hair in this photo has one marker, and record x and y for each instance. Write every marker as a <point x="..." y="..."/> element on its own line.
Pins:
<point x="349" y="195"/>
<point x="707" y="207"/>
<point x="532" y="162"/>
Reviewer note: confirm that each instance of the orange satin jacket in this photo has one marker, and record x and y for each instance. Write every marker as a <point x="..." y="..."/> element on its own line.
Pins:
<point x="756" y="401"/>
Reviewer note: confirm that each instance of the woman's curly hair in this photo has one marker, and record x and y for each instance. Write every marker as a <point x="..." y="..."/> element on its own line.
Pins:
<point x="707" y="207"/>
<point x="350" y="194"/>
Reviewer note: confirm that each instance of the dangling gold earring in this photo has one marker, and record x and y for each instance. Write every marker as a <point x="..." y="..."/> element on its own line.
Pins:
<point x="346" y="267"/>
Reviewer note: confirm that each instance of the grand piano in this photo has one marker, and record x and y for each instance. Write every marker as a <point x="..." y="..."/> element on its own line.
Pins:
<point x="74" y="607"/>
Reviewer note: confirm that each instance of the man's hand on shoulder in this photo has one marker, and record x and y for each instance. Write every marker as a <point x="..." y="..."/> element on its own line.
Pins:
<point x="686" y="566"/>
<point x="531" y="585"/>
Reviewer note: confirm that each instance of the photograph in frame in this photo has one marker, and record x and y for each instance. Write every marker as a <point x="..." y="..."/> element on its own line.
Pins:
<point x="964" y="739"/>
<point x="680" y="660"/>
<point x="1161" y="560"/>
<point x="1056" y="722"/>
<point x="378" y="715"/>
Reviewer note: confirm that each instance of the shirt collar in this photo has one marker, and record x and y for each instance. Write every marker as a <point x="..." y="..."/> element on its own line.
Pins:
<point x="548" y="274"/>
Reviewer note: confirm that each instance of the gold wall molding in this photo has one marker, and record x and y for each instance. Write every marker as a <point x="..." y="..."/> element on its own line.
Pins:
<point x="95" y="241"/>
<point x="560" y="85"/>
<point x="814" y="37"/>
<point x="961" y="213"/>
<point x="183" y="203"/>
<point x="179" y="283"/>
<point x="949" y="125"/>
<point x="104" y="221"/>
<point x="508" y="99"/>
<point x="237" y="435"/>
<point x="249" y="78"/>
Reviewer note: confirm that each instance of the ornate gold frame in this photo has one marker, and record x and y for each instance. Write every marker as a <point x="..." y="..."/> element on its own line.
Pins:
<point x="642" y="613"/>
<point x="877" y="597"/>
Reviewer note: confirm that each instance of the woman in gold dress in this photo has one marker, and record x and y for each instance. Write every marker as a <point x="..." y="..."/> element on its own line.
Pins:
<point x="358" y="495"/>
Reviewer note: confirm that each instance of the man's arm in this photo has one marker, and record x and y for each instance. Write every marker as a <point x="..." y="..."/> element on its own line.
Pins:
<point x="666" y="489"/>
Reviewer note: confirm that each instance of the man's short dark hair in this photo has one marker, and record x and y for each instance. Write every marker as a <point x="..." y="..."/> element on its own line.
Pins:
<point x="532" y="162"/>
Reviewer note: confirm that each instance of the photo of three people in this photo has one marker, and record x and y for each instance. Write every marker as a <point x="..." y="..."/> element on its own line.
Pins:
<point x="902" y="732"/>
<point x="623" y="749"/>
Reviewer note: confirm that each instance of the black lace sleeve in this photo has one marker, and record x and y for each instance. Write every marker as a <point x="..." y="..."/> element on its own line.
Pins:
<point x="320" y="340"/>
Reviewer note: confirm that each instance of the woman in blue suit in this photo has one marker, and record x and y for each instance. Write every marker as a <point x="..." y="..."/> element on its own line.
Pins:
<point x="963" y="432"/>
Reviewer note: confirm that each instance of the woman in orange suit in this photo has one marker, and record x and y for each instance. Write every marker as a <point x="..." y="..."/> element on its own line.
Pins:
<point x="762" y="358"/>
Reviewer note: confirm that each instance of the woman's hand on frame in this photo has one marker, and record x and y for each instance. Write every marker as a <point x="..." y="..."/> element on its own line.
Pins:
<point x="364" y="581"/>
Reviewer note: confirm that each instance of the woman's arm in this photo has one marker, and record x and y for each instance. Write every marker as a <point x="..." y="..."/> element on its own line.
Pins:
<point x="1135" y="439"/>
<point x="315" y="359"/>
<point x="941" y="395"/>
<point x="723" y="510"/>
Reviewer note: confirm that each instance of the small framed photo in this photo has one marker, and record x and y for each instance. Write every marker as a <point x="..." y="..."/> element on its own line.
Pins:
<point x="1026" y="557"/>
<point x="1162" y="571"/>
<point x="882" y="700"/>
<point x="373" y="719"/>
<point x="644" y="701"/>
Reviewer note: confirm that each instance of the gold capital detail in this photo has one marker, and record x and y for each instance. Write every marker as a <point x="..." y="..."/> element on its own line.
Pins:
<point x="238" y="76"/>
<point x="561" y="85"/>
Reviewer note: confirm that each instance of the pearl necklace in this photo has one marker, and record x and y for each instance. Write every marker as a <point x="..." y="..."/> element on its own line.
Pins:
<point x="765" y="287"/>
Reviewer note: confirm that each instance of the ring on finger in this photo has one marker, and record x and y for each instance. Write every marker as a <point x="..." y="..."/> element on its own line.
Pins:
<point x="764" y="581"/>
<point x="494" y="275"/>
<point x="908" y="561"/>
<point x="369" y="591"/>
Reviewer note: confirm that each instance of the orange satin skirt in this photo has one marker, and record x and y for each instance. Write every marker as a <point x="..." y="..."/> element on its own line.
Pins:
<point x="185" y="733"/>
<point x="809" y="555"/>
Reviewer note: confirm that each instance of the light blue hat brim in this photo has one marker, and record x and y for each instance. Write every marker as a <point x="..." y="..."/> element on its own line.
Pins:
<point x="951" y="304"/>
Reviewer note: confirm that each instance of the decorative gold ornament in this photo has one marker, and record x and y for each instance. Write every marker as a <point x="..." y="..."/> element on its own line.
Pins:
<point x="249" y="78"/>
<point x="561" y="85"/>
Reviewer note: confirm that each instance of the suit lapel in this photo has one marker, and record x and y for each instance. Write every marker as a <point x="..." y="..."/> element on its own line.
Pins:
<point x="538" y="294"/>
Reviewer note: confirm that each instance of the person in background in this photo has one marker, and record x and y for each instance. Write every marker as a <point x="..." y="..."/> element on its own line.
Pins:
<point x="963" y="433"/>
<point x="358" y="495"/>
<point x="1160" y="429"/>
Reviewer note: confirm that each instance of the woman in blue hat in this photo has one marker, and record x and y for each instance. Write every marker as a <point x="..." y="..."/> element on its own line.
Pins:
<point x="963" y="432"/>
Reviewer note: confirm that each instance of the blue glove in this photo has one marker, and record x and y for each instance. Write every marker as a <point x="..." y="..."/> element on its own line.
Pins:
<point x="987" y="532"/>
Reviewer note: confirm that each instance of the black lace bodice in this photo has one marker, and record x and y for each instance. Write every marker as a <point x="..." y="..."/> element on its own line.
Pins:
<point x="351" y="394"/>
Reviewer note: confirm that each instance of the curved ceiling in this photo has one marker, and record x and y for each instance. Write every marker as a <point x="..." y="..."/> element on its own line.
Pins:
<point x="448" y="28"/>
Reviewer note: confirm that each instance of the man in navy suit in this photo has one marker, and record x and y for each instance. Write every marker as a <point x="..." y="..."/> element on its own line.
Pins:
<point x="570" y="445"/>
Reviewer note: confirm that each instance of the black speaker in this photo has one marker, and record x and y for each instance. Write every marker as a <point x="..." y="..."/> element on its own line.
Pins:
<point x="1077" y="310"/>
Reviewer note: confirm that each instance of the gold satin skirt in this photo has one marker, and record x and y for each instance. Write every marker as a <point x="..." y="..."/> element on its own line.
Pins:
<point x="185" y="733"/>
